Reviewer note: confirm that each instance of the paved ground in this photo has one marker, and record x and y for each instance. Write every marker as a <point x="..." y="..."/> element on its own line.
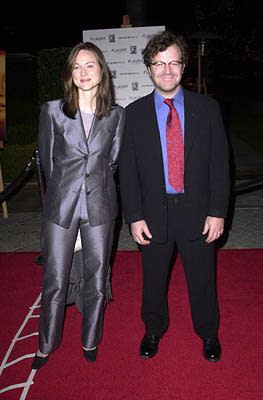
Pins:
<point x="21" y="231"/>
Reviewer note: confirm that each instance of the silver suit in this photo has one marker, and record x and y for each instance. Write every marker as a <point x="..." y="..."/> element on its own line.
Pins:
<point x="69" y="160"/>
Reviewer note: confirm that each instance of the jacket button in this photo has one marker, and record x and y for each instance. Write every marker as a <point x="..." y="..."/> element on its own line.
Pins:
<point x="87" y="175"/>
<point x="88" y="192"/>
<point x="86" y="157"/>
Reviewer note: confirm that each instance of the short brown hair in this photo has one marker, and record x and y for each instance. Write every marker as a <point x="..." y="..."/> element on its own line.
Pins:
<point x="105" y="93"/>
<point x="160" y="42"/>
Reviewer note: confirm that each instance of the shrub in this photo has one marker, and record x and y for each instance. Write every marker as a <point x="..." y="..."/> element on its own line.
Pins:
<point x="50" y="65"/>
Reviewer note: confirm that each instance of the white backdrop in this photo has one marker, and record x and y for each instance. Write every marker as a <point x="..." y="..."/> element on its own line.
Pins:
<point x="122" y="49"/>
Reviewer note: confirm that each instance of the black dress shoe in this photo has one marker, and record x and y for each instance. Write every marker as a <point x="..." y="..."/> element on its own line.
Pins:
<point x="39" y="362"/>
<point x="149" y="346"/>
<point x="211" y="349"/>
<point x="90" y="355"/>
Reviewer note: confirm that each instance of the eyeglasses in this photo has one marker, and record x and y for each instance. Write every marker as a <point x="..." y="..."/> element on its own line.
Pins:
<point x="160" y="65"/>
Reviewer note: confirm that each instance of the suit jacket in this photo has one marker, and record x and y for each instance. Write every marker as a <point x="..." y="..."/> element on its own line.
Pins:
<point x="68" y="160"/>
<point x="206" y="171"/>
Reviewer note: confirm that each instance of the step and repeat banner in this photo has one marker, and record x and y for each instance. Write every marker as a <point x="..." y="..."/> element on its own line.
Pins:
<point x="122" y="48"/>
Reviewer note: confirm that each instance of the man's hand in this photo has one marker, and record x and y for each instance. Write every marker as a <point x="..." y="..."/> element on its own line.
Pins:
<point x="214" y="227"/>
<point x="137" y="230"/>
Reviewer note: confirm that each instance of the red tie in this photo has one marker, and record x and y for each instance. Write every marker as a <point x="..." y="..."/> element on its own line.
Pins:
<point x="175" y="148"/>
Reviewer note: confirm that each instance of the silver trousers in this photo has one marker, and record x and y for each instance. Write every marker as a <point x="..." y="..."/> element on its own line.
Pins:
<point x="58" y="247"/>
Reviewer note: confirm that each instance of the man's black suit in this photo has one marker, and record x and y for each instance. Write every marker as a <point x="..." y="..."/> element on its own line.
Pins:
<point x="206" y="192"/>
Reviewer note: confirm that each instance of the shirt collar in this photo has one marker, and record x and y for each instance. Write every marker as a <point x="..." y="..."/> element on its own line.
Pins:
<point x="178" y="98"/>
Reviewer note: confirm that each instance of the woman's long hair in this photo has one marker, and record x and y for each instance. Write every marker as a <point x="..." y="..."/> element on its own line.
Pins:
<point x="105" y="92"/>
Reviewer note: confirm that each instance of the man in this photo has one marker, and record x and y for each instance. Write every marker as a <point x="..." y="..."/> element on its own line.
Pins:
<point x="175" y="194"/>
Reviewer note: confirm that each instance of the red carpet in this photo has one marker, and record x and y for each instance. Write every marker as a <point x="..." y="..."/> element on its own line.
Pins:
<point x="178" y="372"/>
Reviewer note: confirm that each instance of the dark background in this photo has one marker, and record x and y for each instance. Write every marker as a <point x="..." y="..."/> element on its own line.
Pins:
<point x="29" y="26"/>
<point x="232" y="65"/>
<point x="236" y="54"/>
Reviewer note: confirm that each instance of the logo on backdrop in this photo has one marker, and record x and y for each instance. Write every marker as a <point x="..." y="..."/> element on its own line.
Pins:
<point x="119" y="50"/>
<point x="96" y="38"/>
<point x="135" y="61"/>
<point x="112" y="38"/>
<point x="114" y="74"/>
<point x="135" y="86"/>
<point x="133" y="49"/>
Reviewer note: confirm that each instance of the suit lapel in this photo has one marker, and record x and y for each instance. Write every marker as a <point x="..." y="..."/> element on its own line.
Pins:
<point x="150" y="120"/>
<point x="190" y="125"/>
<point x="95" y="128"/>
<point x="79" y="126"/>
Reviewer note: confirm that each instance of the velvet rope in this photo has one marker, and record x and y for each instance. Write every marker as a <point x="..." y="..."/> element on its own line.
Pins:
<point x="252" y="182"/>
<point x="19" y="181"/>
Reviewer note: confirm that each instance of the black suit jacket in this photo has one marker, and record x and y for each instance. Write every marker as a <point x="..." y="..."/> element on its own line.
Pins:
<point x="206" y="175"/>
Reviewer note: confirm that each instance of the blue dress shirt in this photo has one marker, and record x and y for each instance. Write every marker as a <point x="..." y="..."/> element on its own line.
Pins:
<point x="162" y="110"/>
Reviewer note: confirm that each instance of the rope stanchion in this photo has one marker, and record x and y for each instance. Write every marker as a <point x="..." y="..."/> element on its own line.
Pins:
<point x="40" y="176"/>
<point x="18" y="182"/>
<point x="252" y="183"/>
<point x="2" y="188"/>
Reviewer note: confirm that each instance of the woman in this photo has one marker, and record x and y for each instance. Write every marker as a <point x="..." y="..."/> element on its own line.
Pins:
<point x="79" y="141"/>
